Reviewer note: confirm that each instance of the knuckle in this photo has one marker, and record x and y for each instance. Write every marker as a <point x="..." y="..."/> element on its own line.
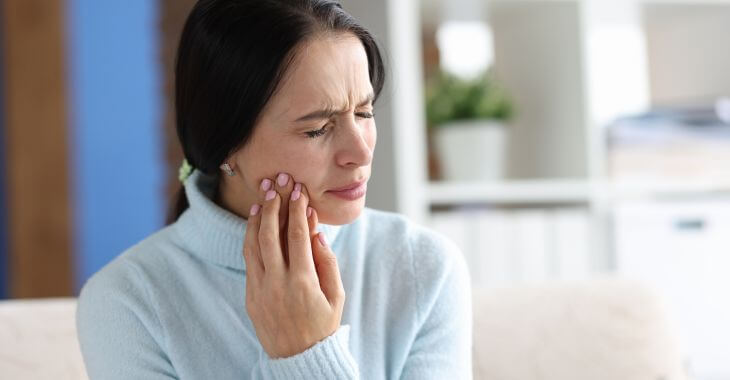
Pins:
<point x="329" y="260"/>
<point x="301" y="282"/>
<point x="340" y="293"/>
<point x="268" y="241"/>
<point x="297" y="233"/>
<point x="340" y="297"/>
<point x="248" y="250"/>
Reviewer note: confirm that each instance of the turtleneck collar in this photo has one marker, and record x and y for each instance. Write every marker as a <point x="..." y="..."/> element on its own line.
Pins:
<point x="214" y="233"/>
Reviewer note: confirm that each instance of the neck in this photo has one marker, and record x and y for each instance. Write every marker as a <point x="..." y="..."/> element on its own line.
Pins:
<point x="233" y="198"/>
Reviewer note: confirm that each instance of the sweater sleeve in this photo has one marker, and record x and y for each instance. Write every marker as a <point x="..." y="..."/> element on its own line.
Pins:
<point x="442" y="348"/>
<point x="329" y="358"/>
<point x="115" y="324"/>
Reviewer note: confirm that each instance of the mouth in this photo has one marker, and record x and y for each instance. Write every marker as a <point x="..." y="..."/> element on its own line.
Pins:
<point x="351" y="192"/>
<point x="351" y="186"/>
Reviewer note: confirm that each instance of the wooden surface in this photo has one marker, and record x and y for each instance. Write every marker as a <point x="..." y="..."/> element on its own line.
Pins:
<point x="173" y="14"/>
<point x="39" y="207"/>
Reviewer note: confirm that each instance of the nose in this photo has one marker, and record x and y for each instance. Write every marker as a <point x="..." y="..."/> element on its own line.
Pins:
<point x="355" y="150"/>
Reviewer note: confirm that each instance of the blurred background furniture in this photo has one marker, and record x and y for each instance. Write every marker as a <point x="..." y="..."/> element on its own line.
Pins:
<point x="614" y="164"/>
<point x="616" y="158"/>
<point x="604" y="329"/>
<point x="39" y="340"/>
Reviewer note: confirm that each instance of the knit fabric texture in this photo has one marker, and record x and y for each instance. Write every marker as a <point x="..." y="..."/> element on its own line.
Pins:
<point x="173" y="305"/>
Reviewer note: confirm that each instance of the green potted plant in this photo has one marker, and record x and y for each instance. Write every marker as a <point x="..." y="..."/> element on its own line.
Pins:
<point x="468" y="120"/>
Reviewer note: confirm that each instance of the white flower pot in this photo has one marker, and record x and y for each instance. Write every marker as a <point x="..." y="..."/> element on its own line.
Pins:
<point x="471" y="150"/>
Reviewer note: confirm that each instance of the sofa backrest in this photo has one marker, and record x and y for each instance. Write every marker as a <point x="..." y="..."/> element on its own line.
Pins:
<point x="603" y="329"/>
<point x="38" y="340"/>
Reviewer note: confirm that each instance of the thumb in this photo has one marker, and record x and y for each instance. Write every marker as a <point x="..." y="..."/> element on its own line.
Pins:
<point x="327" y="270"/>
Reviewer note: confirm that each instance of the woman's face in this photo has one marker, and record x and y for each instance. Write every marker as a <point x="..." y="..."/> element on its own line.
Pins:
<point x="326" y="89"/>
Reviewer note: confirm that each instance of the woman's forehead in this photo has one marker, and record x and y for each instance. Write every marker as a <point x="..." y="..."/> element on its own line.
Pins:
<point x="329" y="73"/>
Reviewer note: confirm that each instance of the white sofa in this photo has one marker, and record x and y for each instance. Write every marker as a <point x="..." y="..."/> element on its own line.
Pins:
<point x="598" y="330"/>
<point x="38" y="340"/>
<point x="603" y="329"/>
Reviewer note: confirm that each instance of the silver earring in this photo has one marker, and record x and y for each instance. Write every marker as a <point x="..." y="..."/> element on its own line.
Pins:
<point x="227" y="168"/>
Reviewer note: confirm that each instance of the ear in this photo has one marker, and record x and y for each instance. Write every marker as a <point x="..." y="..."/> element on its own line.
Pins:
<point x="230" y="160"/>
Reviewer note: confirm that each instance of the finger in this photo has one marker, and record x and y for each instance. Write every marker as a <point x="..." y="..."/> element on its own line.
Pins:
<point x="300" y="247"/>
<point x="328" y="271"/>
<point x="266" y="185"/>
<point x="251" y="255"/>
<point x="313" y="220"/>
<point x="284" y="186"/>
<point x="268" y="237"/>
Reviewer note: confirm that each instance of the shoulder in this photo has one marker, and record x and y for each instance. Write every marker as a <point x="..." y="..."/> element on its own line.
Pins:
<point x="122" y="287"/>
<point x="129" y="265"/>
<point x="437" y="264"/>
<point x="117" y="316"/>
<point x="430" y="248"/>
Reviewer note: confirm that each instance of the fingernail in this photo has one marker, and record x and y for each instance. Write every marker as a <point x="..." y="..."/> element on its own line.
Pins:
<point x="266" y="184"/>
<point x="322" y="239"/>
<point x="297" y="191"/>
<point x="309" y="212"/>
<point x="270" y="195"/>
<point x="282" y="179"/>
<point x="254" y="210"/>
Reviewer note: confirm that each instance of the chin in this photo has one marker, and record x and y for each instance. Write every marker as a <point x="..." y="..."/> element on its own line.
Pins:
<point x="340" y="212"/>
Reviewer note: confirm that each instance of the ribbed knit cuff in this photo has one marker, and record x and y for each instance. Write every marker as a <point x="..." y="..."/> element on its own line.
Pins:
<point x="329" y="358"/>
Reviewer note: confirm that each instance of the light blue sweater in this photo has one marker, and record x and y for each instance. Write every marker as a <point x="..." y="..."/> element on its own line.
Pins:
<point x="173" y="305"/>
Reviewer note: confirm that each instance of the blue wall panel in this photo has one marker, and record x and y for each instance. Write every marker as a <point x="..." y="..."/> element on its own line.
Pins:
<point x="117" y="139"/>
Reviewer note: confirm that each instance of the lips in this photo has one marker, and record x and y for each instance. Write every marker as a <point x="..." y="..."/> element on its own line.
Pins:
<point x="356" y="191"/>
<point x="351" y="186"/>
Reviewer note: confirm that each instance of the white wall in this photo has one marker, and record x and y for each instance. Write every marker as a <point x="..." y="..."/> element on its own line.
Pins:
<point x="538" y="58"/>
<point x="689" y="50"/>
<point x="400" y="158"/>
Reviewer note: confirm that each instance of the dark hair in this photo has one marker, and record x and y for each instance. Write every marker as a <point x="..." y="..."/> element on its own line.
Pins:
<point x="232" y="57"/>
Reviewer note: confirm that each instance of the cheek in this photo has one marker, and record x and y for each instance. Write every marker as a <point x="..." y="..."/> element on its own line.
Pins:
<point x="306" y="162"/>
<point x="372" y="135"/>
<point x="269" y="153"/>
<point x="264" y="158"/>
<point x="300" y="158"/>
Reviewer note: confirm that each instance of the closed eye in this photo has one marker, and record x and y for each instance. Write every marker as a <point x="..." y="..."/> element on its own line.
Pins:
<point x="320" y="132"/>
<point x="317" y="133"/>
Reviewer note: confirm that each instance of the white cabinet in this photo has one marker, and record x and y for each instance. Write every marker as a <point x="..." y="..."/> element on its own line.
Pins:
<point x="682" y="249"/>
<point x="572" y="66"/>
<point x="510" y="247"/>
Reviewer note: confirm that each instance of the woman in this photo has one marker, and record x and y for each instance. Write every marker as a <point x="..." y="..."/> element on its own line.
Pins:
<point x="272" y="267"/>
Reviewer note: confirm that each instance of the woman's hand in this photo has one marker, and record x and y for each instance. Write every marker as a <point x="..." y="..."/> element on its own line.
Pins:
<point x="292" y="303"/>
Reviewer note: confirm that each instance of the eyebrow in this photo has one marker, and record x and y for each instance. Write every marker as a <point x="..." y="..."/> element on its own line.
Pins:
<point x="329" y="112"/>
